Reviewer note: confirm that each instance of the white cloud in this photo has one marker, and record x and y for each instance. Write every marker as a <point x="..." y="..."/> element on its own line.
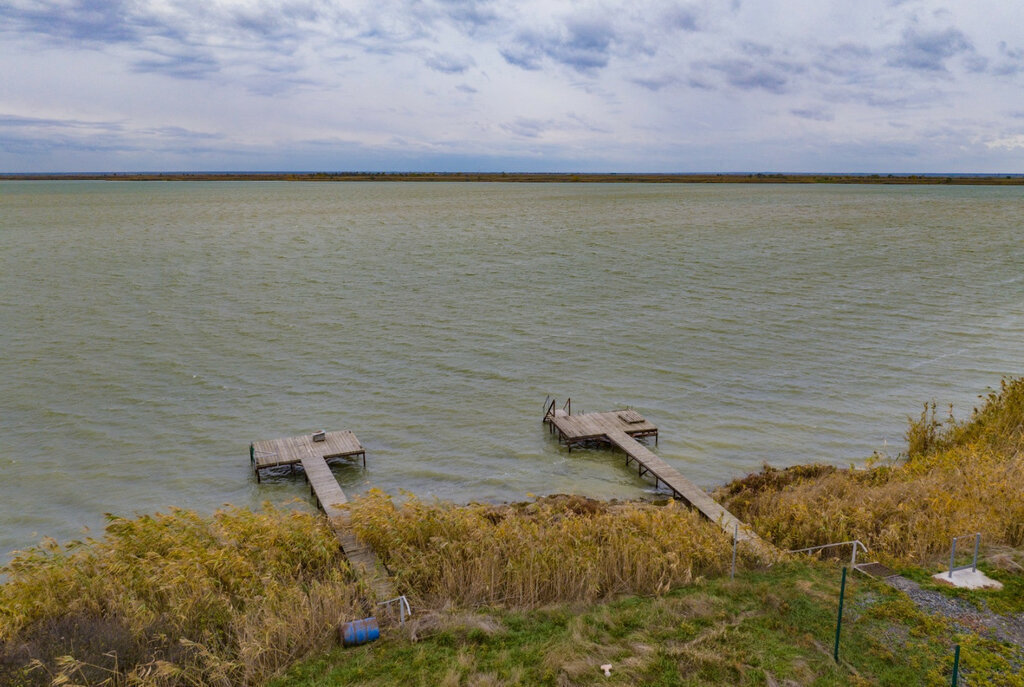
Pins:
<point x="1006" y="142"/>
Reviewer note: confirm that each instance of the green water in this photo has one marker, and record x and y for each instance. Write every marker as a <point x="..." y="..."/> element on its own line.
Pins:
<point x="150" y="331"/>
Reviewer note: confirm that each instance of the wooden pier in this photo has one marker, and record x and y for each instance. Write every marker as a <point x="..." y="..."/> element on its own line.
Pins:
<point x="313" y="455"/>
<point x="621" y="428"/>
<point x="293" y="450"/>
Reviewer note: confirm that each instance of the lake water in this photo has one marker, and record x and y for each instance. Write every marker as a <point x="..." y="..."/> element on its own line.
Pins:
<point x="150" y="331"/>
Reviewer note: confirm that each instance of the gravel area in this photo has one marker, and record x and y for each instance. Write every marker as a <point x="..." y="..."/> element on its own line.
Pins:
<point x="1007" y="628"/>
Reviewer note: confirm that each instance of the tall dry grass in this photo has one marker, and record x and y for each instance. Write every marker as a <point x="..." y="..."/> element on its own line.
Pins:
<point x="555" y="549"/>
<point x="957" y="477"/>
<point x="175" y="599"/>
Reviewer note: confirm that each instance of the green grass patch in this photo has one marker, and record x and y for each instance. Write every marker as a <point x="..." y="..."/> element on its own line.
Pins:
<point x="766" y="627"/>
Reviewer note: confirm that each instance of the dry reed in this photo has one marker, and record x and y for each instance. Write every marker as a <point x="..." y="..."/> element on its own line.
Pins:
<point x="556" y="549"/>
<point x="175" y="599"/>
<point x="958" y="477"/>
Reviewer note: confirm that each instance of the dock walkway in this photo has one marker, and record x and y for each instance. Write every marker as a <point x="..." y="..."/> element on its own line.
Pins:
<point x="620" y="428"/>
<point x="313" y="457"/>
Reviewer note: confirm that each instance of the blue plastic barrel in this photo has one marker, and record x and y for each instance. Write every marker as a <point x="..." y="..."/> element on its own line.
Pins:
<point x="360" y="632"/>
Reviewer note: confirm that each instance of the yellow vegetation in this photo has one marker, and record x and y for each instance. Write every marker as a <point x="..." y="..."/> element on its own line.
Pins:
<point x="176" y="599"/>
<point x="957" y="478"/>
<point x="556" y="549"/>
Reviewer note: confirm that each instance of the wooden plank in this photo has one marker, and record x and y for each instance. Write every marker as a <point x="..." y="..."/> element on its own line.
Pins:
<point x="328" y="493"/>
<point x="330" y="498"/>
<point x="684" y="488"/>
<point x="630" y="417"/>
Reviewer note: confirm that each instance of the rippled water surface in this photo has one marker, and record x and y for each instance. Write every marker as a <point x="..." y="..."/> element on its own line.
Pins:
<point x="150" y="331"/>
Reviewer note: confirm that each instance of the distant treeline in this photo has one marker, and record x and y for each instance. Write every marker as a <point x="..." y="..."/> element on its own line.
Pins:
<point x="530" y="177"/>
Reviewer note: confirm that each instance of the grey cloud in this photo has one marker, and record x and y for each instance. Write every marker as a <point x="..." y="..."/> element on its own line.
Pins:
<point x="1011" y="61"/>
<point x="522" y="54"/>
<point x="818" y="114"/>
<point x="15" y="121"/>
<point x="88" y="21"/>
<point x="177" y="132"/>
<point x="526" y="127"/>
<point x="185" y="65"/>
<point x="928" y="51"/>
<point x="280" y="24"/>
<point x="976" y="63"/>
<point x="43" y="136"/>
<point x="844" y="60"/>
<point x="679" y="17"/>
<point x="449" y="64"/>
<point x="748" y="75"/>
<point x="756" y="49"/>
<point x="655" y="83"/>
<point x="470" y="14"/>
<point x="583" y="43"/>
<point x="465" y="88"/>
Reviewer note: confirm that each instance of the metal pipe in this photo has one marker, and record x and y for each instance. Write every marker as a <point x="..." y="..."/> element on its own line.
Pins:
<point x="823" y="546"/>
<point x="952" y="557"/>
<point x="977" y="541"/>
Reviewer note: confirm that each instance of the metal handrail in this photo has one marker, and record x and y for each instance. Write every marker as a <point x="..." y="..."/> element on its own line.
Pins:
<point x="952" y="555"/>
<point x="549" y="408"/>
<point x="853" y="558"/>
<point x="403" y="606"/>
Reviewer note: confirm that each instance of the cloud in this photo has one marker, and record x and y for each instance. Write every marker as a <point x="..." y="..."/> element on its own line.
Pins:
<point x="929" y="50"/>
<point x="449" y="64"/>
<point x="679" y="17"/>
<point x="183" y="65"/>
<point x="655" y="83"/>
<point x="529" y="127"/>
<point x="526" y="127"/>
<point x="19" y="122"/>
<point x="471" y="15"/>
<point x="1013" y="142"/>
<point x="817" y="114"/>
<point x="748" y="75"/>
<point x="79" y="134"/>
<point x="848" y="60"/>
<point x="581" y="43"/>
<point x="1011" y="61"/>
<point x="82" y="21"/>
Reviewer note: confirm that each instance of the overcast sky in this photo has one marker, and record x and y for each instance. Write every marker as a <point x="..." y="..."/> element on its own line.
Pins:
<point x="494" y="85"/>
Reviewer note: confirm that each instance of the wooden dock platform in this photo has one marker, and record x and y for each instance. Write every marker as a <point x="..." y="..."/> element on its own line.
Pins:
<point x="274" y="453"/>
<point x="620" y="428"/>
<point x="313" y="457"/>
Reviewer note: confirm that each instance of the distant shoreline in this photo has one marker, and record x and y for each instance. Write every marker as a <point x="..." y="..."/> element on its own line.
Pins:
<point x="529" y="177"/>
